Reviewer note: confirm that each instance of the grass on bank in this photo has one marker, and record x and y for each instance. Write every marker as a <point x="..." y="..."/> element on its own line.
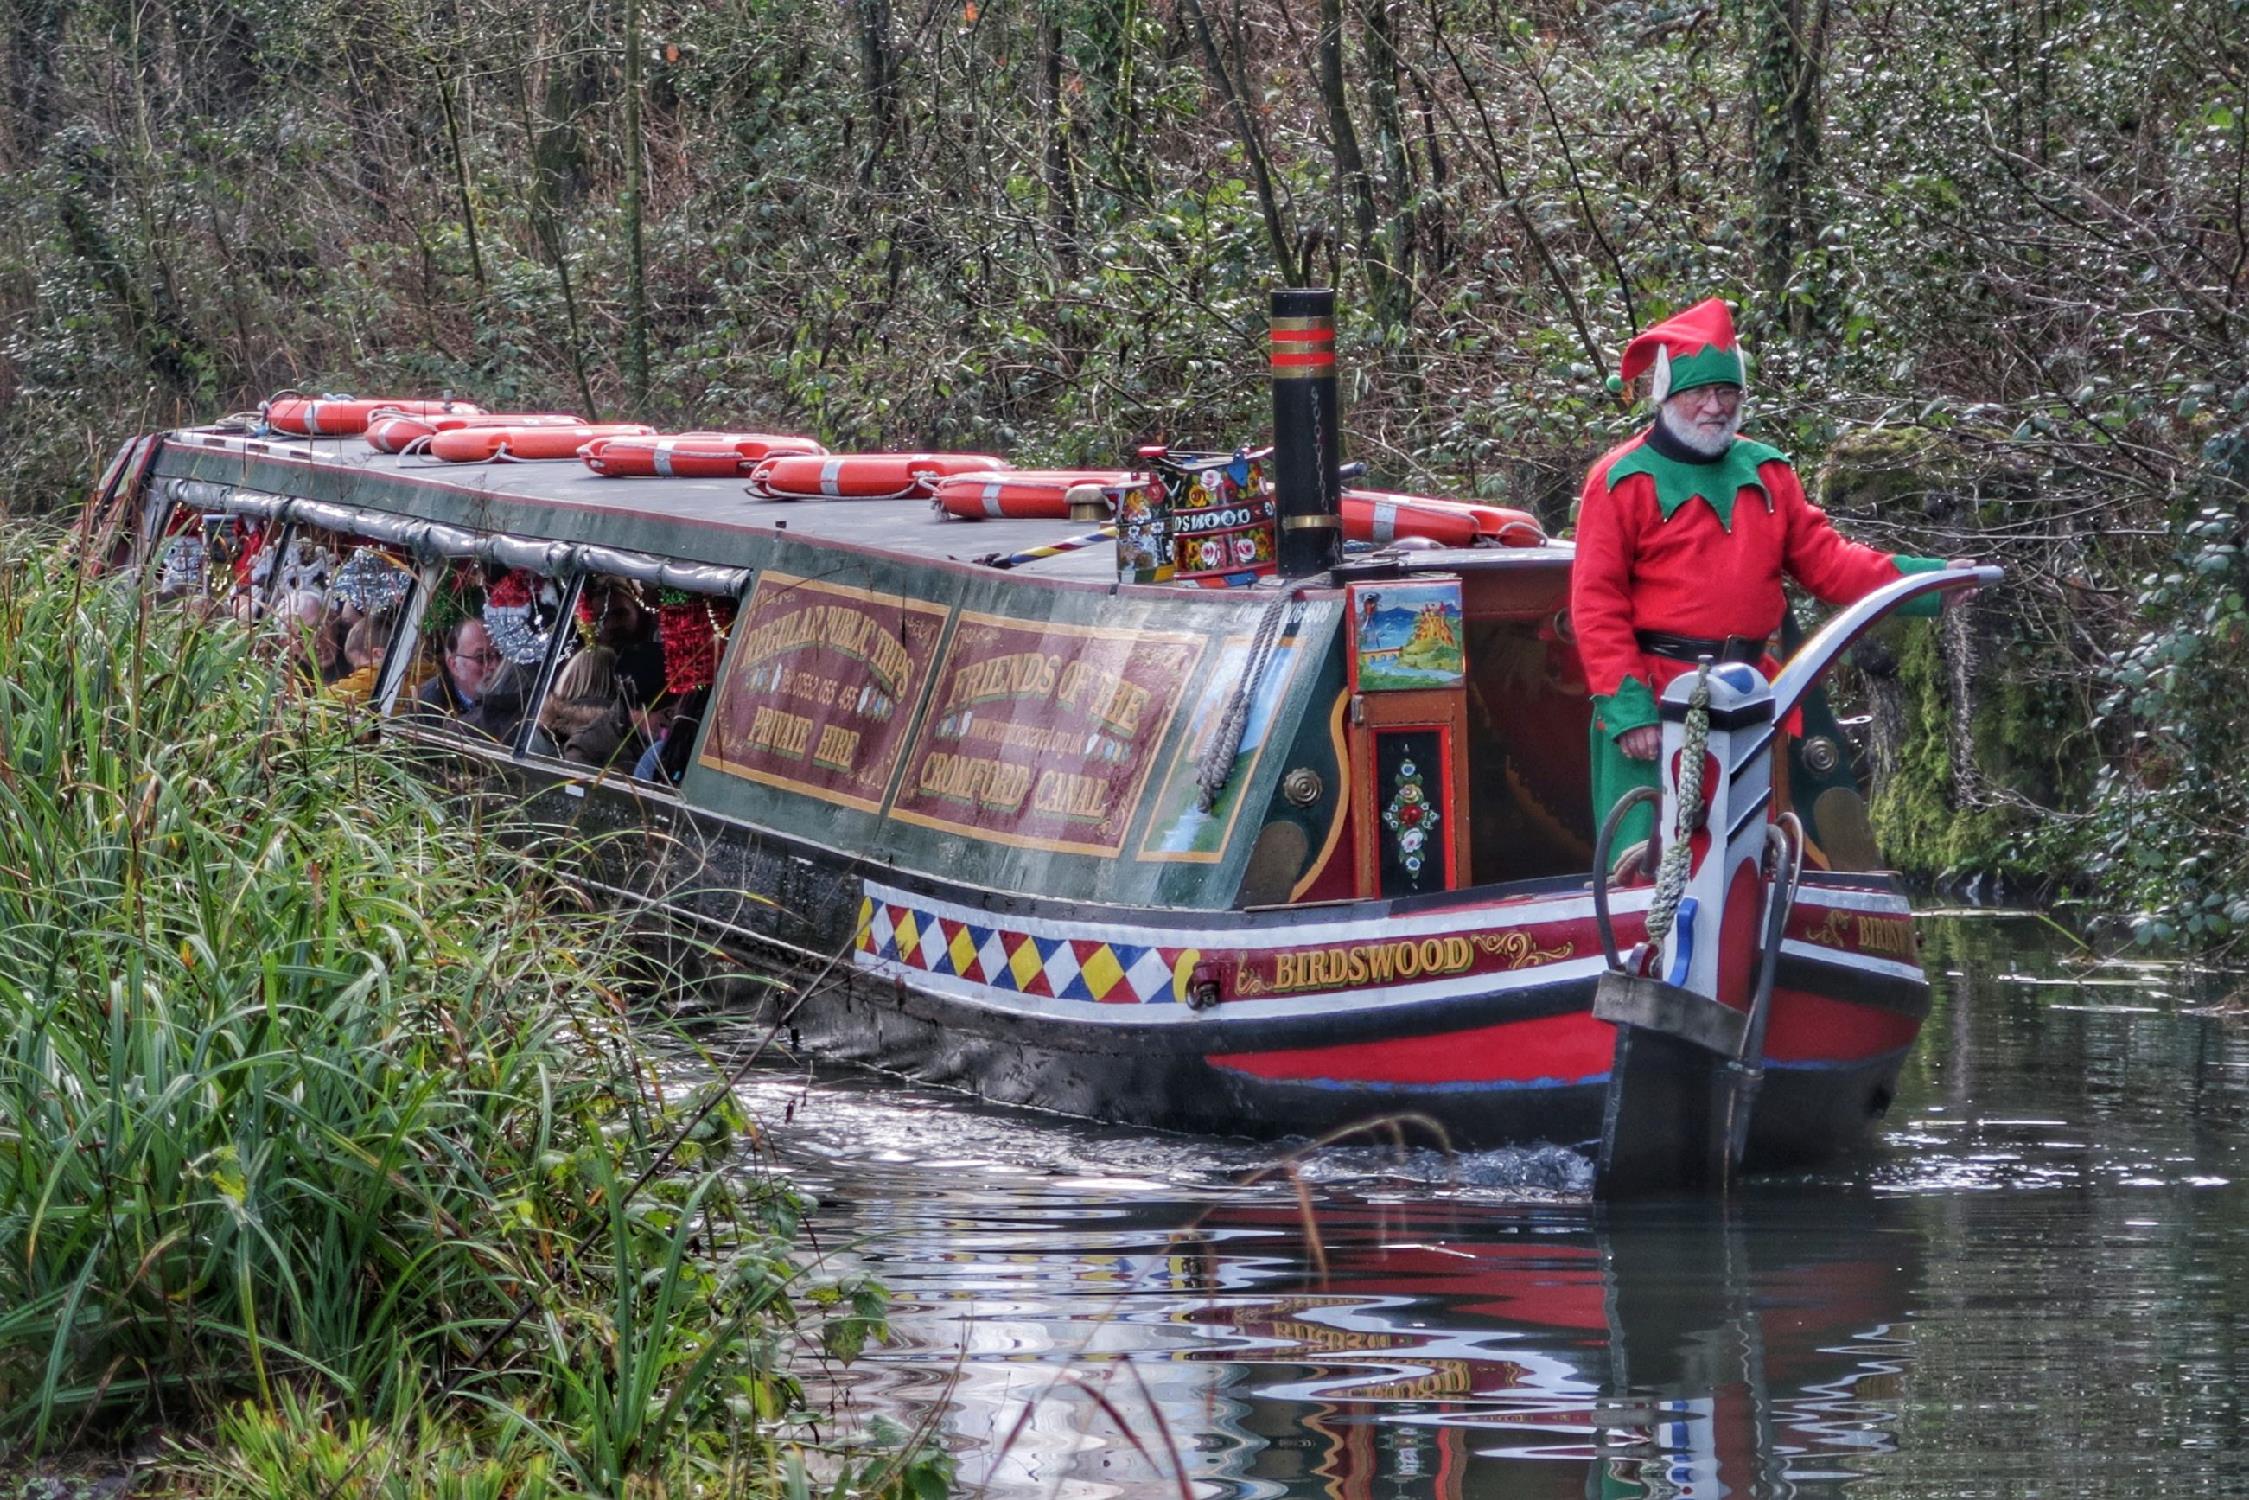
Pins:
<point x="320" y="1127"/>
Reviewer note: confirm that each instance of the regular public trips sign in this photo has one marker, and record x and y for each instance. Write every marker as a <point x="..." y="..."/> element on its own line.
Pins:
<point x="821" y="692"/>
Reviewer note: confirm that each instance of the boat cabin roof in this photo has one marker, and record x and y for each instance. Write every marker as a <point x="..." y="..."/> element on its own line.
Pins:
<point x="702" y="520"/>
<point x="709" y="521"/>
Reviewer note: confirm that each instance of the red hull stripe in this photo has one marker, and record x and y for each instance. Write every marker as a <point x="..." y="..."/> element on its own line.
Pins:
<point x="1558" y="1051"/>
<point x="1808" y="1029"/>
<point x="1550" y="1051"/>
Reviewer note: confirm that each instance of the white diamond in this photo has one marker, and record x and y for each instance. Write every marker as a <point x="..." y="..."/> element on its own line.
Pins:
<point x="932" y="942"/>
<point x="1149" y="979"/>
<point x="993" y="958"/>
<point x="1061" y="966"/>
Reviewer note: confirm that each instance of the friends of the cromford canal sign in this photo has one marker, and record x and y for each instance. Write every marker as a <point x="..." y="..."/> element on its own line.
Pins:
<point x="1207" y="793"/>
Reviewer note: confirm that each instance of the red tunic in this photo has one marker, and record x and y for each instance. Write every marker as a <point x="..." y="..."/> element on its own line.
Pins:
<point x="1692" y="575"/>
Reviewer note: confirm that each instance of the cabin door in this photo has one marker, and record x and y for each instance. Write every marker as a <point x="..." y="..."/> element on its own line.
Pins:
<point x="1408" y="736"/>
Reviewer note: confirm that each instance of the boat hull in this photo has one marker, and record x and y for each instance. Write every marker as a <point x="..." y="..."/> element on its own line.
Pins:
<point x="1467" y="1015"/>
<point x="1804" y="1115"/>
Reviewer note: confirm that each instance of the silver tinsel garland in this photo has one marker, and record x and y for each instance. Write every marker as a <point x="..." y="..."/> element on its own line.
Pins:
<point x="371" y="582"/>
<point x="520" y="632"/>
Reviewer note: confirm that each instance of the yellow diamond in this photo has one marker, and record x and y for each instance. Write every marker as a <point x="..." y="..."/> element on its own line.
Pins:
<point x="1025" y="964"/>
<point x="905" y="937"/>
<point x="1101" y="972"/>
<point x="867" y="922"/>
<point x="962" y="951"/>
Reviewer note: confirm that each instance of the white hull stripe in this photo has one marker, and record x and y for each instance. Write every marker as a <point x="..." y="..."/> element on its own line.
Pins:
<point x="1865" y="963"/>
<point x="1058" y="968"/>
<point x="1166" y="1009"/>
<point x="1498" y="915"/>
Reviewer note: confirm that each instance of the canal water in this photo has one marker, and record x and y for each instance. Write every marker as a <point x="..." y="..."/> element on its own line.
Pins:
<point x="2033" y="1285"/>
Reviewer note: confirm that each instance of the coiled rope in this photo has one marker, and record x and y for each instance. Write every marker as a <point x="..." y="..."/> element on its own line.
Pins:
<point x="1671" y="874"/>
<point x="1217" y="763"/>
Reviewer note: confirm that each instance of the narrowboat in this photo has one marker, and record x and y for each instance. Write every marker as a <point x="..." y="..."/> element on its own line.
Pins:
<point x="1135" y="795"/>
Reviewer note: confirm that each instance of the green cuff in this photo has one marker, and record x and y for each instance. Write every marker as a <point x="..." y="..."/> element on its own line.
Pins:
<point x="1630" y="707"/>
<point x="1928" y="606"/>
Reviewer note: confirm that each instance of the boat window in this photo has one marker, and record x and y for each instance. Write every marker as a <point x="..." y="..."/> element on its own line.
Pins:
<point x="629" y="698"/>
<point x="336" y="604"/>
<point x="357" y="638"/>
<point x="485" y="637"/>
<point x="214" y="558"/>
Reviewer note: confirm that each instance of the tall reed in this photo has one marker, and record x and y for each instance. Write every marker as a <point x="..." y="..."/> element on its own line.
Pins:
<point x="310" y="1086"/>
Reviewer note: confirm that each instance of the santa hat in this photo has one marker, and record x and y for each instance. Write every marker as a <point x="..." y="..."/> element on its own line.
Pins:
<point x="1689" y="349"/>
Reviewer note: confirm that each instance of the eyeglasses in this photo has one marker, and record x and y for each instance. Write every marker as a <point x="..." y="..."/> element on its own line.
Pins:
<point x="486" y="658"/>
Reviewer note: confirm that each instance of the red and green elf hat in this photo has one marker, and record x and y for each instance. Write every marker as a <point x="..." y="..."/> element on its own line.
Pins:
<point x="1689" y="349"/>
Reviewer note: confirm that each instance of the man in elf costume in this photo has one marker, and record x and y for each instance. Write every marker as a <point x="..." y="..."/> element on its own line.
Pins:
<point x="1683" y="535"/>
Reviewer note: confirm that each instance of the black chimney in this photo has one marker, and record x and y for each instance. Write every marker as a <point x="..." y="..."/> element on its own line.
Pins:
<point x="1307" y="451"/>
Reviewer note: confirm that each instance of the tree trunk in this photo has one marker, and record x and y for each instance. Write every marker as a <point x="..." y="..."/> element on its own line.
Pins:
<point x="878" y="76"/>
<point x="1786" y="56"/>
<point x="1061" y="183"/>
<point x="547" y="226"/>
<point x="636" y="267"/>
<point x="461" y="176"/>
<point x="572" y="91"/>
<point x="1350" y="163"/>
<point x="1397" y="246"/>
<point x="1253" y="144"/>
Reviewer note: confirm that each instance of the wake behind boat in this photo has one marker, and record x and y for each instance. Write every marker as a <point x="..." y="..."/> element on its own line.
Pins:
<point x="1136" y="799"/>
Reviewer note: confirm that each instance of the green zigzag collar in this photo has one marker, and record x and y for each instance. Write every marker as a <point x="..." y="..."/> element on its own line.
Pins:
<point x="1717" y="483"/>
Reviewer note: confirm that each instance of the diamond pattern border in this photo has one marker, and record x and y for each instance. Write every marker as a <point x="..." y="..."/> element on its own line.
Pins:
<point x="1086" y="969"/>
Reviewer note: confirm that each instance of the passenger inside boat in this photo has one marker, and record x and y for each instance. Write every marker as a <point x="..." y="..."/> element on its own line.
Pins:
<point x="628" y="628"/>
<point x="298" y="623"/>
<point x="583" y="718"/>
<point x="365" y="645"/>
<point x="474" y="685"/>
<point x="670" y="727"/>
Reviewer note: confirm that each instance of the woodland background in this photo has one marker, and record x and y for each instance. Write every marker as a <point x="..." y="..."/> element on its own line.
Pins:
<point x="1990" y="255"/>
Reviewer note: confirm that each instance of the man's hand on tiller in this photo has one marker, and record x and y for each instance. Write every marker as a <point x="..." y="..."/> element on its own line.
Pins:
<point x="1644" y="743"/>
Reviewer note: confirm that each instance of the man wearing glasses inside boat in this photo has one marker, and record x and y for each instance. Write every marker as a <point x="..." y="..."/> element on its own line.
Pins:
<point x="1683" y="535"/>
<point x="476" y="686"/>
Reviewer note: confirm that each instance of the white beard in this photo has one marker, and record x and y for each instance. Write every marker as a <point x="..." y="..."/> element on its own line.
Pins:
<point x="1706" y="445"/>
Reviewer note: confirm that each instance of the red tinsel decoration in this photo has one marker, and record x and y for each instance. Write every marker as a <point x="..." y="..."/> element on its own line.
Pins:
<point x="253" y="542"/>
<point x="691" y="633"/>
<point x="513" y="591"/>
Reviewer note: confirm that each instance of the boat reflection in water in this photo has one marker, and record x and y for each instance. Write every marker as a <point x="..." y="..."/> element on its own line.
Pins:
<point x="1684" y="1349"/>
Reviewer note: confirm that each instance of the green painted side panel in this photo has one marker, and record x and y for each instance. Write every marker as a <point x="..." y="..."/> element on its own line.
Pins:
<point x="996" y="715"/>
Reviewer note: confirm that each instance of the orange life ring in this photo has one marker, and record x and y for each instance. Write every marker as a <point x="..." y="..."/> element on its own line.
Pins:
<point x="689" y="455"/>
<point x="1023" y="494"/>
<point x="317" y="416"/>
<point x="861" y="476"/>
<point x="390" y="431"/>
<point x="1500" y="525"/>
<point x="1371" y="516"/>
<point x="476" y="445"/>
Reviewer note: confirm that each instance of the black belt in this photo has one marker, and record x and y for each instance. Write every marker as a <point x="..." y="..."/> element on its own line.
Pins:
<point x="1695" y="647"/>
